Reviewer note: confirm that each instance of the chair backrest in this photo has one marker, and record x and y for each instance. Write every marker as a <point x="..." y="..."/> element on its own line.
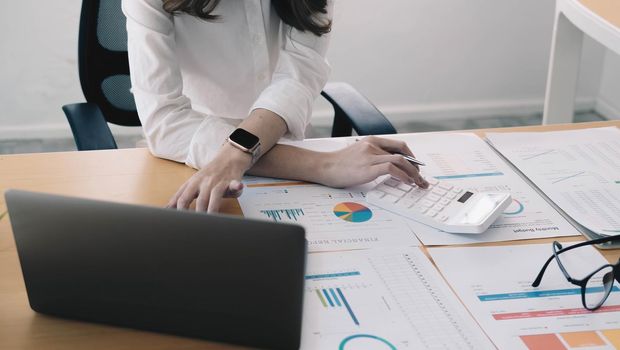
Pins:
<point x="103" y="62"/>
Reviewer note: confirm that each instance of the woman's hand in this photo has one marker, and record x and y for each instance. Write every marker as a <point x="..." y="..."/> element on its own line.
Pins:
<point x="220" y="178"/>
<point x="368" y="159"/>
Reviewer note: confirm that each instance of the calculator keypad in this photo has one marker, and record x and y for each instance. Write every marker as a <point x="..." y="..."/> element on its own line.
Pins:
<point x="430" y="201"/>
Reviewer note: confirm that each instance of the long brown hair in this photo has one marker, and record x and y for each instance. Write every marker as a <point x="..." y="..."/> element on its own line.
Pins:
<point x="300" y="14"/>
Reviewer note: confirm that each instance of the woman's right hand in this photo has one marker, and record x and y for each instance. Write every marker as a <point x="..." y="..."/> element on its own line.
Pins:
<point x="368" y="159"/>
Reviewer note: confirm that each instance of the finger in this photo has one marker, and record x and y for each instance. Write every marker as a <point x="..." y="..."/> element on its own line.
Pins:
<point x="234" y="190"/>
<point x="391" y="169"/>
<point x="188" y="195"/>
<point x="390" y="145"/>
<point x="369" y="147"/>
<point x="398" y="160"/>
<point x="217" y="193"/>
<point x="411" y="170"/>
<point x="172" y="203"/>
<point x="203" y="197"/>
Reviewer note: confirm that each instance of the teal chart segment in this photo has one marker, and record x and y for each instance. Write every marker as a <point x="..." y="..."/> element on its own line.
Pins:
<point x="370" y="337"/>
<point x="515" y="208"/>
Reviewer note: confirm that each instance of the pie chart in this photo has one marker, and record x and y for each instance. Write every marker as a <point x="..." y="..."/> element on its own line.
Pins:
<point x="352" y="212"/>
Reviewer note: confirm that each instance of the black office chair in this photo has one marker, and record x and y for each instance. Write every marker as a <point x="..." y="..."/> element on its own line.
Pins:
<point x="104" y="76"/>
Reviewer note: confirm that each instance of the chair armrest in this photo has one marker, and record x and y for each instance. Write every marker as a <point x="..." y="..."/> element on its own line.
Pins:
<point x="354" y="111"/>
<point x="89" y="127"/>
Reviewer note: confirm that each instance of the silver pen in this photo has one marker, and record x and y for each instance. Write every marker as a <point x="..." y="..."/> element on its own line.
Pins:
<point x="412" y="160"/>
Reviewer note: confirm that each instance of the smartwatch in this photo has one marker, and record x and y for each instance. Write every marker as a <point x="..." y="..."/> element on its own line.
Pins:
<point x="245" y="141"/>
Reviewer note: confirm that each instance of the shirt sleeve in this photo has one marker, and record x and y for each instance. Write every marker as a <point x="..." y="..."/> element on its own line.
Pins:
<point x="300" y="74"/>
<point x="173" y="130"/>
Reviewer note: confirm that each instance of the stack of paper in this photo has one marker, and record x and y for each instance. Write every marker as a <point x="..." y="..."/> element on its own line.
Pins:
<point x="579" y="170"/>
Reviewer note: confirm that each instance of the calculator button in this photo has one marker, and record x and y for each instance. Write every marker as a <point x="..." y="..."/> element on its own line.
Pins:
<point x="432" y="197"/>
<point x="444" y="201"/>
<point x="406" y="202"/>
<point x="439" y="192"/>
<point x="438" y="207"/>
<point x="390" y="198"/>
<point x="457" y="190"/>
<point x="375" y="194"/>
<point x="443" y="218"/>
<point x="446" y="187"/>
<point x="404" y="187"/>
<point x="422" y="209"/>
<point x="391" y="190"/>
<point x="432" y="213"/>
<point x="451" y="195"/>
<point x="415" y="195"/>
<point x="426" y="203"/>
<point x="432" y="181"/>
<point x="391" y="182"/>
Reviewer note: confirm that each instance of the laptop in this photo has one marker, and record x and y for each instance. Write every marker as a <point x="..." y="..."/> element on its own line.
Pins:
<point x="215" y="277"/>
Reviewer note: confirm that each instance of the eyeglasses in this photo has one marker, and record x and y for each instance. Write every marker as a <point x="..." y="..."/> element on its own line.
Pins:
<point x="596" y="286"/>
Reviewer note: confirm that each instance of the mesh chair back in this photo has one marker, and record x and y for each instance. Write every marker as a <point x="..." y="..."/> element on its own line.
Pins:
<point x="103" y="63"/>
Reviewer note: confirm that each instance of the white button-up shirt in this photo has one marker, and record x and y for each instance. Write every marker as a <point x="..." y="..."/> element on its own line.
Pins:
<point x="194" y="81"/>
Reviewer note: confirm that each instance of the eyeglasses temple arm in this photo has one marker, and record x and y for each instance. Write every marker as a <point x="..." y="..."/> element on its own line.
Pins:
<point x="542" y="272"/>
<point x="538" y="279"/>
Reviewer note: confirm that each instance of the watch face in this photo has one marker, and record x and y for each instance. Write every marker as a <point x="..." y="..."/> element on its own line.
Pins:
<point x="244" y="138"/>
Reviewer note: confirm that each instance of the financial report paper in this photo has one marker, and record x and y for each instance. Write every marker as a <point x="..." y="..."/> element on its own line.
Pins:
<point x="465" y="160"/>
<point x="579" y="170"/>
<point x="494" y="283"/>
<point x="383" y="299"/>
<point x="334" y="219"/>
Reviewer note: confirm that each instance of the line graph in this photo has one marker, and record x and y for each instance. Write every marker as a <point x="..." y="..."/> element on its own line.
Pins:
<point x="564" y="178"/>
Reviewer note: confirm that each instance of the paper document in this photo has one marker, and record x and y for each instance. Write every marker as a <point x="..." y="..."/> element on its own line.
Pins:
<point x="383" y="299"/>
<point x="467" y="161"/>
<point x="334" y="219"/>
<point x="494" y="283"/>
<point x="578" y="169"/>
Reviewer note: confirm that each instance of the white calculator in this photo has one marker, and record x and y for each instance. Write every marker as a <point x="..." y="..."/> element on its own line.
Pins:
<point x="442" y="205"/>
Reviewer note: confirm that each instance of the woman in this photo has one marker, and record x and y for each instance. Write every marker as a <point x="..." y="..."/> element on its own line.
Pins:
<point x="218" y="83"/>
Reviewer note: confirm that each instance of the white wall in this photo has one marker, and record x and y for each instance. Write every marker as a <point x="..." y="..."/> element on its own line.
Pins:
<point x="414" y="59"/>
<point x="435" y="59"/>
<point x="38" y="66"/>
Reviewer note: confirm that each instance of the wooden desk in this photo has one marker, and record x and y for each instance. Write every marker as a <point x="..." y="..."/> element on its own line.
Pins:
<point x="130" y="176"/>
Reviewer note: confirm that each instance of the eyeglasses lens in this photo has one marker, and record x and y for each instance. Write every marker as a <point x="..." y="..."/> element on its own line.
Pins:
<point x="598" y="287"/>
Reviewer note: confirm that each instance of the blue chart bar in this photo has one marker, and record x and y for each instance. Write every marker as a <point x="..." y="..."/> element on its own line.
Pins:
<point x="464" y="176"/>
<point x="277" y="214"/>
<point x="542" y="293"/>
<point x="331" y="291"/>
<point x="329" y="299"/>
<point x="346" y="304"/>
<point x="332" y="275"/>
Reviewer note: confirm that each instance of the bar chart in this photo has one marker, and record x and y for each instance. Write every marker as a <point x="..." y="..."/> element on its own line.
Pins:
<point x="334" y="298"/>
<point x="278" y="215"/>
